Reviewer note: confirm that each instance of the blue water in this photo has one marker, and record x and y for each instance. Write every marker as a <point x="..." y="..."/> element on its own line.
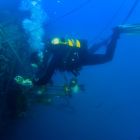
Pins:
<point x="109" y="109"/>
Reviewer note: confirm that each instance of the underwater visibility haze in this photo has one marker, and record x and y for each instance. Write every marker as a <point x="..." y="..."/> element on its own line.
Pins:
<point x="69" y="70"/>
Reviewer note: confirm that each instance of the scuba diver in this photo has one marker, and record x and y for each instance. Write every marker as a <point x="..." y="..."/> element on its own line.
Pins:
<point x="67" y="55"/>
<point x="71" y="55"/>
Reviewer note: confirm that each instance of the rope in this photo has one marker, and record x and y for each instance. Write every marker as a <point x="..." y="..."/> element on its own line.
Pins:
<point x="117" y="14"/>
<point x="109" y="23"/>
<point x="131" y="11"/>
<point x="79" y="7"/>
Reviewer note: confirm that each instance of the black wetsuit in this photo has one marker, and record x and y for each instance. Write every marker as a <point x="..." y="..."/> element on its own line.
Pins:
<point x="65" y="58"/>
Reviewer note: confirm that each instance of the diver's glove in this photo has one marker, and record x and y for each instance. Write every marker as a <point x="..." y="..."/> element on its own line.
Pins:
<point x="24" y="82"/>
<point x="116" y="32"/>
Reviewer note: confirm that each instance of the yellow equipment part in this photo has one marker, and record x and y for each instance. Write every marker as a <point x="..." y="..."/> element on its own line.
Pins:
<point x="70" y="42"/>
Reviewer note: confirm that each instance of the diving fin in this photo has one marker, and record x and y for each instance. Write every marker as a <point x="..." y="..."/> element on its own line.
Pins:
<point x="130" y="28"/>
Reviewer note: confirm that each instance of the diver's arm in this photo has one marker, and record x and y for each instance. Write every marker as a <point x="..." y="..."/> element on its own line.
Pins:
<point x="93" y="59"/>
<point x="46" y="71"/>
<point x="99" y="45"/>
